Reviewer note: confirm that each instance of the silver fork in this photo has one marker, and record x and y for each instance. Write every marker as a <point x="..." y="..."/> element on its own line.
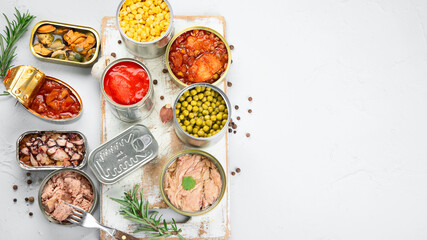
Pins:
<point x="85" y="219"/>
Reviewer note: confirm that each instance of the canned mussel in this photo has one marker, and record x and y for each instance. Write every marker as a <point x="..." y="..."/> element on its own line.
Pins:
<point x="201" y="114"/>
<point x="65" y="43"/>
<point x="128" y="87"/>
<point x="63" y="186"/>
<point x="45" y="97"/>
<point x="51" y="150"/>
<point x="146" y="27"/>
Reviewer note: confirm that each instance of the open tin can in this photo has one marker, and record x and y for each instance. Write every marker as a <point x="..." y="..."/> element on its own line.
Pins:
<point x="82" y="29"/>
<point x="134" y="112"/>
<point x="200" y="141"/>
<point x="123" y="154"/>
<point x="151" y="49"/>
<point x="214" y="161"/>
<point x="24" y="82"/>
<point x="24" y="166"/>
<point x="48" y="177"/>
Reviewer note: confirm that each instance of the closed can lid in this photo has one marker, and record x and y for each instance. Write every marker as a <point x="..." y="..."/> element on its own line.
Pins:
<point x="123" y="154"/>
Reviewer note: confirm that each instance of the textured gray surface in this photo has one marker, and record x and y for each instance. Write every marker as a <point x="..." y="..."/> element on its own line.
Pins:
<point x="338" y="131"/>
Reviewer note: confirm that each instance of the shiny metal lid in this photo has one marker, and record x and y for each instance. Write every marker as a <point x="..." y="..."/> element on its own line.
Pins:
<point x="123" y="154"/>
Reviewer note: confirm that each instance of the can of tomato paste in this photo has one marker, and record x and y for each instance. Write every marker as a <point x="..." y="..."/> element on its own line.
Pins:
<point x="128" y="88"/>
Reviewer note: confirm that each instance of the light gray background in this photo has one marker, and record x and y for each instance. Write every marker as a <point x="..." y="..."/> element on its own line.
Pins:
<point x="339" y="128"/>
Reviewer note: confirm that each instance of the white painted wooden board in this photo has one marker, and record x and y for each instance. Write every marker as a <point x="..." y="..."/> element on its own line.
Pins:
<point x="214" y="224"/>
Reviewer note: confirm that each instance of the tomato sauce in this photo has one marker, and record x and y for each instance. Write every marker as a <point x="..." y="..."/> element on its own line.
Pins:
<point x="126" y="83"/>
<point x="56" y="101"/>
<point x="198" y="56"/>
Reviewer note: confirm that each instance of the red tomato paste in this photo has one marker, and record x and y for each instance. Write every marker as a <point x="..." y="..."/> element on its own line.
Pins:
<point x="54" y="100"/>
<point x="126" y="83"/>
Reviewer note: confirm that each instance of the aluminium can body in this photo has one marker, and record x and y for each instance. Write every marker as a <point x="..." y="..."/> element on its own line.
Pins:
<point x="123" y="154"/>
<point x="41" y="168"/>
<point x="71" y="26"/>
<point x="152" y="49"/>
<point x="49" y="176"/>
<point x="217" y="164"/>
<point x="178" y="82"/>
<point x="134" y="112"/>
<point x="197" y="141"/>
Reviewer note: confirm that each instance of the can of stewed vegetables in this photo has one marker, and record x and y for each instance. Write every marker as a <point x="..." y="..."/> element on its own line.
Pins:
<point x="146" y="27"/>
<point x="128" y="88"/>
<point x="201" y="114"/>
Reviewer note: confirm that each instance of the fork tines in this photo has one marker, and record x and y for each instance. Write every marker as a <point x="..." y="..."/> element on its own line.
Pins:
<point x="80" y="214"/>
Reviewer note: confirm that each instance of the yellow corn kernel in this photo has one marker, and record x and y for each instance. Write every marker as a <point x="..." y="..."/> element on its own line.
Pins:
<point x="163" y="5"/>
<point x="138" y="16"/>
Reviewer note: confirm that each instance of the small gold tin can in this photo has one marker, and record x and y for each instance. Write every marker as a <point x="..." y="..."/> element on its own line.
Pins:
<point x="68" y="26"/>
<point x="24" y="82"/>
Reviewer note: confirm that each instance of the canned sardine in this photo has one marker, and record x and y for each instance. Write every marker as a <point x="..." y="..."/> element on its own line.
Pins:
<point x="128" y="88"/>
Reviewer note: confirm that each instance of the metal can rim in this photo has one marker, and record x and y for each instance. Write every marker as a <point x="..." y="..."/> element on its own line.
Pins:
<point x="179" y="82"/>
<point x="66" y="62"/>
<point x="49" y="176"/>
<point x="29" y="168"/>
<point x="170" y="27"/>
<point x="223" y="95"/>
<point x="214" y="160"/>
<point x="150" y="80"/>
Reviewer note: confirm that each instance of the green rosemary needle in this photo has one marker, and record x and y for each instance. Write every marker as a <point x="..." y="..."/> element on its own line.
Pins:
<point x="12" y="33"/>
<point x="136" y="209"/>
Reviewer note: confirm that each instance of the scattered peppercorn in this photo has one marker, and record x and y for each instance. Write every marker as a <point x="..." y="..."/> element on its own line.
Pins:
<point x="15" y="187"/>
<point x="161" y="97"/>
<point x="29" y="181"/>
<point x="229" y="84"/>
<point x="231" y="47"/>
<point x="250" y="111"/>
<point x="250" y="99"/>
<point x="234" y="126"/>
<point x="236" y="107"/>
<point x="155" y="81"/>
<point x="238" y="118"/>
<point x="237" y="170"/>
<point x="113" y="54"/>
<point x="120" y="41"/>
<point x="248" y="134"/>
<point x="28" y="174"/>
<point x="14" y="200"/>
<point x="165" y="70"/>
<point x="26" y="199"/>
<point x="234" y="132"/>
<point x="233" y="173"/>
<point x="31" y="199"/>
<point x="230" y="130"/>
<point x="231" y="61"/>
<point x="31" y="214"/>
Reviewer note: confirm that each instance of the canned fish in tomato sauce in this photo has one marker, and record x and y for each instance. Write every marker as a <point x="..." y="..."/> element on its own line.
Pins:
<point x="128" y="88"/>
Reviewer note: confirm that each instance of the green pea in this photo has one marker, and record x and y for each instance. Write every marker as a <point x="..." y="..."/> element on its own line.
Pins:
<point x="210" y="98"/>
<point x="189" y="99"/>
<point x="226" y="110"/>
<point x="189" y="108"/>
<point x="178" y="120"/>
<point x="189" y="129"/>
<point x="204" y="106"/>
<point x="195" y="135"/>
<point x="181" y="117"/>
<point x="207" y="117"/>
<point x="191" y="115"/>
<point x="199" y="122"/>
<point x="219" y="116"/>
<point x="213" y="118"/>
<point x="203" y="88"/>
<point x="201" y="133"/>
<point x="181" y="99"/>
<point x="199" y="103"/>
<point x="196" y="98"/>
<point x="193" y="92"/>
<point x="192" y="121"/>
<point x="210" y="109"/>
<point x="184" y="128"/>
<point x="224" y="121"/>
<point x="178" y="105"/>
<point x="185" y="104"/>
<point x="215" y="126"/>
<point x="195" y="109"/>
<point x="213" y="105"/>
<point x="177" y="112"/>
<point x="205" y="112"/>
<point x="208" y="103"/>
<point x="204" y="99"/>
<point x="186" y="93"/>
<point x="205" y="128"/>
<point x="193" y="103"/>
<point x="195" y="130"/>
<point x="201" y="95"/>
<point x="207" y="93"/>
<point x="208" y="88"/>
<point x="224" y="116"/>
<point x="221" y="107"/>
<point x="186" y="122"/>
<point x="209" y="123"/>
<point x="198" y="89"/>
<point x="185" y="112"/>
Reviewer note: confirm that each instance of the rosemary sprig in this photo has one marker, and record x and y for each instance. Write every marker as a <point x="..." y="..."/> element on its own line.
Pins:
<point x="136" y="210"/>
<point x="12" y="33"/>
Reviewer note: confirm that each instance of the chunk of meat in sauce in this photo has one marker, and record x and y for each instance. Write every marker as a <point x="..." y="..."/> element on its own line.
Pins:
<point x="204" y="68"/>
